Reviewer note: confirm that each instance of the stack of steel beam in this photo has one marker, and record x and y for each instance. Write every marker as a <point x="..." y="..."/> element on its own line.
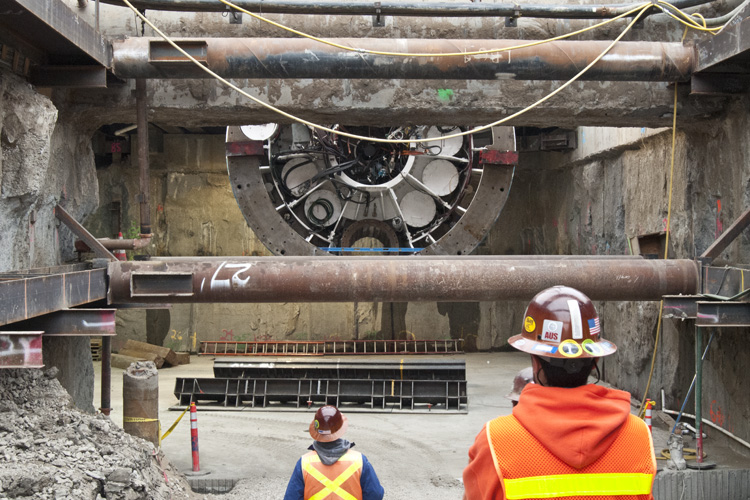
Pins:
<point x="437" y="386"/>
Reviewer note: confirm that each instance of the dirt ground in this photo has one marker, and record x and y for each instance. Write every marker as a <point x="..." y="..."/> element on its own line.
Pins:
<point x="414" y="455"/>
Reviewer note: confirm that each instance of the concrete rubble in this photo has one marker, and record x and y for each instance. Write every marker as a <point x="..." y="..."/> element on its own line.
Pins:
<point x="51" y="450"/>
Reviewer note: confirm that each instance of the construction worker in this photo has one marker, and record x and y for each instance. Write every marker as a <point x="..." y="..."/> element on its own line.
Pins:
<point x="332" y="470"/>
<point x="565" y="438"/>
<point x="523" y="377"/>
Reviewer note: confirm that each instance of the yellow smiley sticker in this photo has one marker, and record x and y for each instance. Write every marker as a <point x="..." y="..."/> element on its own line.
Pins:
<point x="529" y="324"/>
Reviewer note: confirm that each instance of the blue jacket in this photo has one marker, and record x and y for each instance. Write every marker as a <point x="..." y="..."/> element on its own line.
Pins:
<point x="371" y="488"/>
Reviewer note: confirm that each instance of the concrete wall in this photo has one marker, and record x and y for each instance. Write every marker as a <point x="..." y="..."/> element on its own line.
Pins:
<point x="45" y="159"/>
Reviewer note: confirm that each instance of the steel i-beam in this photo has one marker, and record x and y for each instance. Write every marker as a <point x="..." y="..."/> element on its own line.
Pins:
<point x="393" y="279"/>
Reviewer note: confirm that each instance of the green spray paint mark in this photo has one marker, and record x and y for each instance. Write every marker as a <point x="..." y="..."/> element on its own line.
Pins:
<point x="445" y="94"/>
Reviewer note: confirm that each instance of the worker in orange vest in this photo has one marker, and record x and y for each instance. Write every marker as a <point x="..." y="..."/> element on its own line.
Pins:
<point x="332" y="470"/>
<point x="565" y="438"/>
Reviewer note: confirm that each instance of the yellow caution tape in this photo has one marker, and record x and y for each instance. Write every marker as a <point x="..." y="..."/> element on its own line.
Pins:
<point x="139" y="419"/>
<point x="169" y="431"/>
<point x="687" y="454"/>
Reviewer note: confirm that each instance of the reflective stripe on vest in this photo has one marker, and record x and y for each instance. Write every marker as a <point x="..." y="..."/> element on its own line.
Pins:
<point x="529" y="470"/>
<point x="332" y="486"/>
<point x="578" y="485"/>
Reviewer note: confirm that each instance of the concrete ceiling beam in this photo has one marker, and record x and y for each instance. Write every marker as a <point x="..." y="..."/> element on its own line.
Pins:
<point x="202" y="103"/>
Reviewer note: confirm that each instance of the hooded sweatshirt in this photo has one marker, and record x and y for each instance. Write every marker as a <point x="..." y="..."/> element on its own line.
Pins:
<point x="577" y="425"/>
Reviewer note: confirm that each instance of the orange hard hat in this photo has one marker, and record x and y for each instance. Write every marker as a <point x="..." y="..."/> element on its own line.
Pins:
<point x="561" y="322"/>
<point x="328" y="425"/>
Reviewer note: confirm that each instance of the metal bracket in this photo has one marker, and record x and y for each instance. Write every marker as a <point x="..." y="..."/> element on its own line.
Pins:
<point x="512" y="22"/>
<point x="377" y="19"/>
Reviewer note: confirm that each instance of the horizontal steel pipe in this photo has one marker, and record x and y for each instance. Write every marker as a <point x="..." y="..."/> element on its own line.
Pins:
<point x="392" y="279"/>
<point x="281" y="58"/>
<point x="430" y="9"/>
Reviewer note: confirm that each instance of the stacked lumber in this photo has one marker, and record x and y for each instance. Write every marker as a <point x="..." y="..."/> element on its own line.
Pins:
<point x="141" y="351"/>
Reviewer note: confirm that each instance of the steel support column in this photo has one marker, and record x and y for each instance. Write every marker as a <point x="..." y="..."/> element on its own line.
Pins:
<point x="389" y="279"/>
<point x="303" y="58"/>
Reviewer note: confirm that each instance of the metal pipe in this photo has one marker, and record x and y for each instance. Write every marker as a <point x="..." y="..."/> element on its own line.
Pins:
<point x="126" y="244"/>
<point x="710" y="424"/>
<point x="303" y="58"/>
<point x="698" y="393"/>
<point x="106" y="375"/>
<point x="429" y="9"/>
<point x="391" y="279"/>
<point x="142" y="122"/>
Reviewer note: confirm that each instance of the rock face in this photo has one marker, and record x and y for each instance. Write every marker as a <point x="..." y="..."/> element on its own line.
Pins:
<point x="51" y="450"/>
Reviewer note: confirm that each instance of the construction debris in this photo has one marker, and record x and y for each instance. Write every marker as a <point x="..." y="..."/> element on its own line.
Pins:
<point x="143" y="349"/>
<point x="50" y="450"/>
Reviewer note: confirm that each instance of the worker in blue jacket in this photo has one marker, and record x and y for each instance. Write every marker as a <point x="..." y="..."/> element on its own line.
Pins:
<point x="331" y="469"/>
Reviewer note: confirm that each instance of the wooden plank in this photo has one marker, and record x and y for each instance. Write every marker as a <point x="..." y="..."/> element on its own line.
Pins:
<point x="165" y="352"/>
<point x="183" y="358"/>
<point x="120" y="361"/>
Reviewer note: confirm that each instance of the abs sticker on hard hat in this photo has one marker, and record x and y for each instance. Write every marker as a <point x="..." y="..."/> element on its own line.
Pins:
<point x="518" y="343"/>
<point x="529" y="324"/>
<point x="551" y="331"/>
<point x="570" y="349"/>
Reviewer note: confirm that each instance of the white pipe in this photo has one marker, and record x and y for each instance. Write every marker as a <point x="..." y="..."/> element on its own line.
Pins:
<point x="710" y="424"/>
<point x="122" y="131"/>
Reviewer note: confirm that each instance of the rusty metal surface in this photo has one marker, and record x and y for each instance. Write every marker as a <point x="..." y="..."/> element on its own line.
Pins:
<point x="393" y="279"/>
<point x="21" y="349"/>
<point x="728" y="236"/>
<point x="82" y="233"/>
<point x="492" y="157"/>
<point x="728" y="50"/>
<point x="480" y="216"/>
<point x="55" y="29"/>
<point x="71" y="322"/>
<point x="680" y="306"/>
<point x="722" y="314"/>
<point x="303" y="58"/>
<point x="26" y="297"/>
<point x="143" y="159"/>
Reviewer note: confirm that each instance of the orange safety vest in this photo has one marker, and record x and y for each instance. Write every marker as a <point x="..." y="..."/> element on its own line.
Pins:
<point x="528" y="470"/>
<point x="336" y="481"/>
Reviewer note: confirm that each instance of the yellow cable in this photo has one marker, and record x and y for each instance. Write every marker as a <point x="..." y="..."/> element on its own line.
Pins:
<point x="666" y="248"/>
<point x="419" y="54"/>
<point x="685" y="19"/>
<point x="378" y="139"/>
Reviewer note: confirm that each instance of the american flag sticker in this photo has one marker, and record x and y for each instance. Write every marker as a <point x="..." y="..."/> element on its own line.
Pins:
<point x="594" y="326"/>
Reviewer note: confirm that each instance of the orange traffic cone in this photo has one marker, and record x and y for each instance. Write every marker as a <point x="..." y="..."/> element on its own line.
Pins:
<point x="120" y="254"/>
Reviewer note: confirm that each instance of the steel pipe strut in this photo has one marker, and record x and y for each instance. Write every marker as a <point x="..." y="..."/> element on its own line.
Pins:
<point x="431" y="9"/>
<point x="303" y="58"/>
<point x="392" y="279"/>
